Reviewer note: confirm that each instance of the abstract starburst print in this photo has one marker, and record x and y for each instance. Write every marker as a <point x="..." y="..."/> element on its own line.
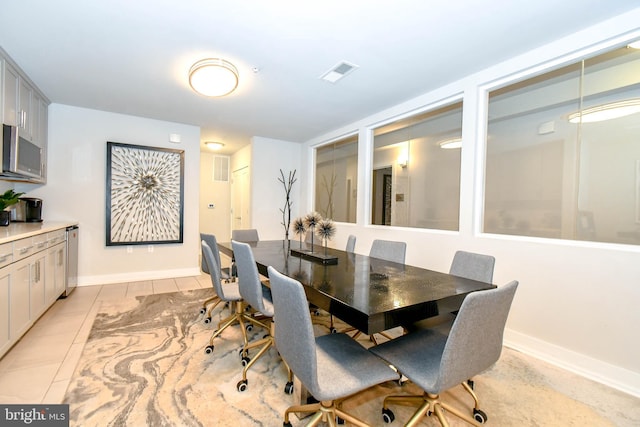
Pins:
<point x="145" y="194"/>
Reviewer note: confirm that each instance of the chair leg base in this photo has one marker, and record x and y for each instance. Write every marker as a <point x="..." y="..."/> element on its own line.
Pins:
<point x="323" y="412"/>
<point x="428" y="403"/>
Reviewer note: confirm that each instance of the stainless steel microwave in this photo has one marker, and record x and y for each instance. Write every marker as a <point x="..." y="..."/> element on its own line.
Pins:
<point x="21" y="158"/>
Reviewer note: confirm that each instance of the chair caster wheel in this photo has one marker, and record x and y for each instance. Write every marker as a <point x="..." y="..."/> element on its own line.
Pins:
<point x="470" y="384"/>
<point x="208" y="349"/>
<point x="479" y="416"/>
<point x="243" y="353"/>
<point x="286" y="424"/>
<point x="245" y="361"/>
<point x="203" y="310"/>
<point x="207" y="320"/>
<point x="242" y="385"/>
<point x="387" y="416"/>
<point x="333" y="330"/>
<point x="339" y="420"/>
<point x="249" y="328"/>
<point x="288" y="388"/>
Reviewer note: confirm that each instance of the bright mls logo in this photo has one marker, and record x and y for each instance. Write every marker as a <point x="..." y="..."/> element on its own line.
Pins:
<point x="34" y="415"/>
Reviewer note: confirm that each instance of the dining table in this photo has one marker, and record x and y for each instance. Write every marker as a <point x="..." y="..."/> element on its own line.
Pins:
<point x="370" y="294"/>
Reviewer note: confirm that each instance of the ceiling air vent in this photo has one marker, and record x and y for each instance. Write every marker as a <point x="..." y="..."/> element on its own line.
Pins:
<point x="338" y="71"/>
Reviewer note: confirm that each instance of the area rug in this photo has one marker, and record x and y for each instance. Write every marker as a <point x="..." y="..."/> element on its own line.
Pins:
<point x="144" y="364"/>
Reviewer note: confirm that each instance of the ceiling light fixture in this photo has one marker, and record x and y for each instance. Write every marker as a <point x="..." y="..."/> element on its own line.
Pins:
<point x="213" y="77"/>
<point x="609" y="111"/>
<point x="451" y="143"/>
<point x="213" y="145"/>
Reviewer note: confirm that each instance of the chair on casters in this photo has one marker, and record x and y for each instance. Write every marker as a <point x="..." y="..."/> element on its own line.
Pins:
<point x="388" y="250"/>
<point x="225" y="274"/>
<point x="252" y="293"/>
<point x="246" y="236"/>
<point x="436" y="362"/>
<point x="351" y="244"/>
<point x="332" y="367"/>
<point x="228" y="293"/>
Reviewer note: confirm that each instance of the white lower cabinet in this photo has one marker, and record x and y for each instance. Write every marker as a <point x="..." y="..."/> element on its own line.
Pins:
<point x="32" y="277"/>
<point x="4" y="311"/>
<point x="55" y="273"/>
<point x="19" y="298"/>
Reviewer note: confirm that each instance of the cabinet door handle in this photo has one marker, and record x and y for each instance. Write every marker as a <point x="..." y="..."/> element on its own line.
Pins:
<point x="25" y="250"/>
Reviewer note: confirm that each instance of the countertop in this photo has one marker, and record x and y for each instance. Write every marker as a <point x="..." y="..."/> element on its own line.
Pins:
<point x="20" y="230"/>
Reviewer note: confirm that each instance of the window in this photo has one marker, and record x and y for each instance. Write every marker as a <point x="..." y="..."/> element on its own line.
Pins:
<point x="337" y="179"/>
<point x="416" y="170"/>
<point x="555" y="170"/>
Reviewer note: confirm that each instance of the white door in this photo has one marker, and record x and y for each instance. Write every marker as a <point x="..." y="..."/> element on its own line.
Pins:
<point x="240" y="202"/>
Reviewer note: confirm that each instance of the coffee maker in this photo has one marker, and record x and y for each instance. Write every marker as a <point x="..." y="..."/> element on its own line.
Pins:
<point x="28" y="209"/>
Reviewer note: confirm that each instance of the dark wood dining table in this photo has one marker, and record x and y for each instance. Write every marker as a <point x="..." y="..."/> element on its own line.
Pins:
<point x="370" y="294"/>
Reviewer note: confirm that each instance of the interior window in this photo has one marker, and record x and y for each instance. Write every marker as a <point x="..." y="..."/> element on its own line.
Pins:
<point x="416" y="170"/>
<point x="563" y="153"/>
<point x="337" y="179"/>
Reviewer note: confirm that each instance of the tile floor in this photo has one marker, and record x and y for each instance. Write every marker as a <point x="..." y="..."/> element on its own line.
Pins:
<point x="38" y="368"/>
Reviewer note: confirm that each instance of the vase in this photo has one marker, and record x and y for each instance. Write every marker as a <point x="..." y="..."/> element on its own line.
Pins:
<point x="5" y="218"/>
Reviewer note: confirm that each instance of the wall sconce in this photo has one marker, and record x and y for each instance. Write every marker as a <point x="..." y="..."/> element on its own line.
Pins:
<point x="212" y="145"/>
<point x="213" y="77"/>
<point x="403" y="158"/>
<point x="451" y="143"/>
<point x="604" y="112"/>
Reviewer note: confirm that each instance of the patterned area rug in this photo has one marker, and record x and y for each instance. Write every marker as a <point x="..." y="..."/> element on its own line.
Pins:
<point x="144" y="365"/>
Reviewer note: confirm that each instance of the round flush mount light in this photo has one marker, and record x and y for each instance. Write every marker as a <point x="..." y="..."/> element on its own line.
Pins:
<point x="213" y="77"/>
<point x="451" y="143"/>
<point x="609" y="111"/>
<point x="213" y="145"/>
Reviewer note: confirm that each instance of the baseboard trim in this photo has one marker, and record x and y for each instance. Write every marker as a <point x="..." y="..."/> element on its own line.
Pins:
<point x="605" y="373"/>
<point x="137" y="276"/>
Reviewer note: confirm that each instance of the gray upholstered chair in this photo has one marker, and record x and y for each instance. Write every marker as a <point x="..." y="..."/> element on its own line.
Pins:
<point x="388" y="250"/>
<point x="228" y="293"/>
<point x="436" y="362"/>
<point x="351" y="244"/>
<point x="247" y="235"/>
<point x="210" y="303"/>
<point x="473" y="266"/>
<point x="331" y="367"/>
<point x="252" y="293"/>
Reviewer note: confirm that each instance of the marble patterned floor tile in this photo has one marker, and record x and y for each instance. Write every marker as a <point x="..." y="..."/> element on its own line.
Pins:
<point x="140" y="288"/>
<point x="113" y="292"/>
<point x="164" y="286"/>
<point x="28" y="385"/>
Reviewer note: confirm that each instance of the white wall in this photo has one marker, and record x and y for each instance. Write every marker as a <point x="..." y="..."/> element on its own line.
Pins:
<point x="76" y="190"/>
<point x="577" y="304"/>
<point x="269" y="156"/>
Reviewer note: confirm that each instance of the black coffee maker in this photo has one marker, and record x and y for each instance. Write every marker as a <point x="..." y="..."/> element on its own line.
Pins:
<point x="28" y="209"/>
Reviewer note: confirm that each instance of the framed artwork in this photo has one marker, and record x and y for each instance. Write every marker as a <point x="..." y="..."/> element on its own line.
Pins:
<point x="145" y="192"/>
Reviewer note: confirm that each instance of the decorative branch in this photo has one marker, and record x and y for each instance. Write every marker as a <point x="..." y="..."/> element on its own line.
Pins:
<point x="286" y="210"/>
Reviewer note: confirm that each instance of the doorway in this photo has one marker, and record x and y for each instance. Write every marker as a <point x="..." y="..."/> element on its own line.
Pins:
<point x="240" y="202"/>
<point x="382" y="192"/>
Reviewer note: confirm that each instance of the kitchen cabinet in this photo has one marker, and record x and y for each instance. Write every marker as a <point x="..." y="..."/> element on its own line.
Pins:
<point x="4" y="311"/>
<point x="32" y="277"/>
<point x="55" y="271"/>
<point x="11" y="82"/>
<point x="24" y="106"/>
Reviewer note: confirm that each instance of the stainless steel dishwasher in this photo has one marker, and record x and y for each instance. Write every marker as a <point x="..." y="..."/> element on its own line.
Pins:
<point x="72" y="260"/>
